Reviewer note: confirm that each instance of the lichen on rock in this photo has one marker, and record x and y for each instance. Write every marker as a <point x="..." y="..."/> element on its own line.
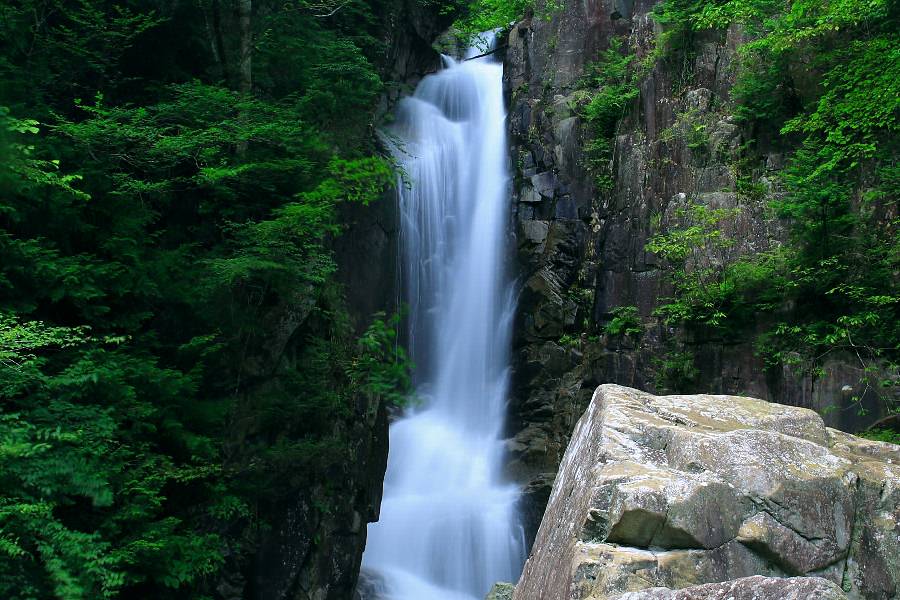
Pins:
<point x="501" y="591"/>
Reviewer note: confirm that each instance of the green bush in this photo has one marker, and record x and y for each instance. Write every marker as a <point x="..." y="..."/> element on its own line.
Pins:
<point x="175" y="352"/>
<point x="607" y="89"/>
<point x="676" y="372"/>
<point x="625" y="321"/>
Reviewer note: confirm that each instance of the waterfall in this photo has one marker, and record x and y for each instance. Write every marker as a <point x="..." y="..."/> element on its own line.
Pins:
<point x="448" y="526"/>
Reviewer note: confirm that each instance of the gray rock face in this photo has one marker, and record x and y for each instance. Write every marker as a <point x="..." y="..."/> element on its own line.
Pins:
<point x="680" y="491"/>
<point x="581" y="249"/>
<point x="316" y="554"/>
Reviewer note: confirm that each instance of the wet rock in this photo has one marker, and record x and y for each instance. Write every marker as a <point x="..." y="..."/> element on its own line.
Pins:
<point x="535" y="231"/>
<point x="544" y="184"/>
<point x="681" y="491"/>
<point x="530" y="195"/>
<point x="370" y="586"/>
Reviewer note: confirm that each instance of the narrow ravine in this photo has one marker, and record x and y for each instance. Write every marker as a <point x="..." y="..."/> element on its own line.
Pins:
<point x="448" y="527"/>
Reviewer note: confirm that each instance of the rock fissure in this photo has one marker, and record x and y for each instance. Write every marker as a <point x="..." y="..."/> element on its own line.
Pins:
<point x="656" y="550"/>
<point x="845" y="583"/>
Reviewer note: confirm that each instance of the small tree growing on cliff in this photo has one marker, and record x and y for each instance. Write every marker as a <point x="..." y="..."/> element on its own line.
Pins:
<point x="696" y="260"/>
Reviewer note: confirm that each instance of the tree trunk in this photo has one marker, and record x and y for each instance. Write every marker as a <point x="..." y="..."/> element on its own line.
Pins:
<point x="245" y="8"/>
<point x="213" y="20"/>
<point x="246" y="64"/>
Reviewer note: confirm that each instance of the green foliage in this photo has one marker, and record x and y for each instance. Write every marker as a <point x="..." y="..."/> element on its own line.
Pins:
<point x="821" y="79"/>
<point x="487" y="15"/>
<point x="675" y="372"/>
<point x="690" y="129"/>
<point x="381" y="368"/>
<point x="890" y="436"/>
<point x="764" y="92"/>
<point x="569" y="341"/>
<point x="694" y="130"/>
<point x="288" y="250"/>
<point x="175" y="354"/>
<point x="69" y="458"/>
<point x="854" y="123"/>
<point x="608" y="88"/>
<point x="22" y="169"/>
<point x="62" y="49"/>
<point x="625" y="321"/>
<point x="695" y="255"/>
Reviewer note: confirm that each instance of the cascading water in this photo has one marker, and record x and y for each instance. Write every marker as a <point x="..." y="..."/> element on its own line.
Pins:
<point x="448" y="528"/>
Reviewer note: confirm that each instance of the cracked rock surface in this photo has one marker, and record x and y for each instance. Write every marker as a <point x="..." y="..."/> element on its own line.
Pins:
<point x="716" y="497"/>
<point x="748" y="588"/>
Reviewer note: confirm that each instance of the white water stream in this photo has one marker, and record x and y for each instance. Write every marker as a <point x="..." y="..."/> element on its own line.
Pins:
<point x="448" y="528"/>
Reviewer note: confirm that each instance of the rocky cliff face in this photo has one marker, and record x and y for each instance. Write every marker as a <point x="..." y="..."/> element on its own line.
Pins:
<point x="682" y="492"/>
<point x="315" y="553"/>
<point x="581" y="248"/>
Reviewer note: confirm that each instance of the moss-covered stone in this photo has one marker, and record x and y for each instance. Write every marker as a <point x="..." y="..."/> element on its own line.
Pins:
<point x="501" y="591"/>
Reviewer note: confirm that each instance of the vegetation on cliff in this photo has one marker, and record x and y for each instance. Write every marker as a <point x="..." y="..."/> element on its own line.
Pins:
<point x="175" y="354"/>
<point x="821" y="81"/>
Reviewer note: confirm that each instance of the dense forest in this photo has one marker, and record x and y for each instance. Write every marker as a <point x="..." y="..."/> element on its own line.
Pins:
<point x="172" y="178"/>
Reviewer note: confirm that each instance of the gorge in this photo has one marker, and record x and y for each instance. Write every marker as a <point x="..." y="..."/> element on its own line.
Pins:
<point x="300" y="299"/>
<point x="582" y="244"/>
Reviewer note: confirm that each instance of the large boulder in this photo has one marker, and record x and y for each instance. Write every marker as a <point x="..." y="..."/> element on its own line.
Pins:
<point x="675" y="492"/>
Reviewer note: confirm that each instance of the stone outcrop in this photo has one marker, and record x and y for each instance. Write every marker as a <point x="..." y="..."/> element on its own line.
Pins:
<point x="677" y="492"/>
<point x="315" y="553"/>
